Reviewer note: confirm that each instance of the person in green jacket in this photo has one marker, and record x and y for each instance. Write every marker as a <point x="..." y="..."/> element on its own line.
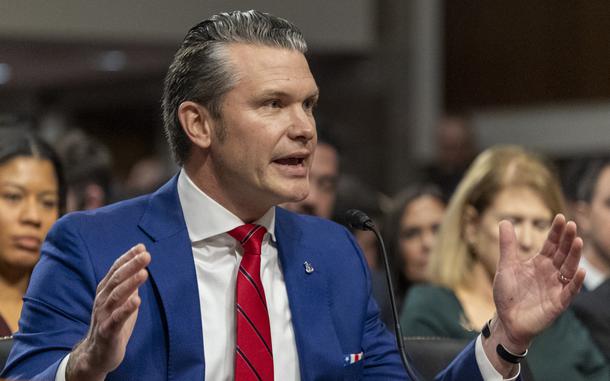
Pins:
<point x="503" y="183"/>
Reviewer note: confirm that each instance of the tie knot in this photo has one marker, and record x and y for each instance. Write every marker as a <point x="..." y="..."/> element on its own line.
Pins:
<point x="250" y="237"/>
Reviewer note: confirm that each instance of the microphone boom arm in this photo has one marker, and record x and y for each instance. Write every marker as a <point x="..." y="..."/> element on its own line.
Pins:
<point x="359" y="220"/>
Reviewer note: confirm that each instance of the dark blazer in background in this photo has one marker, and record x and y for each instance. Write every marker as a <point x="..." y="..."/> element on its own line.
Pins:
<point x="593" y="309"/>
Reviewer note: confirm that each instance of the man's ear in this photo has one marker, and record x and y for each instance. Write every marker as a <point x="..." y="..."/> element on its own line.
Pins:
<point x="582" y="216"/>
<point x="196" y="122"/>
<point x="471" y="224"/>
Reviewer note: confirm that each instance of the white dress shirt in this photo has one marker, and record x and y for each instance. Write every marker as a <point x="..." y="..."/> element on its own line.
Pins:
<point x="217" y="256"/>
<point x="594" y="277"/>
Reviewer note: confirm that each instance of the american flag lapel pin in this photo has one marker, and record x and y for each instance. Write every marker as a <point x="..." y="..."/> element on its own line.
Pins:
<point x="308" y="267"/>
<point x="353" y="358"/>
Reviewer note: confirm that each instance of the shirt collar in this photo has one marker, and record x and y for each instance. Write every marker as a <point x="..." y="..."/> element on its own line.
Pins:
<point x="205" y="218"/>
<point x="594" y="277"/>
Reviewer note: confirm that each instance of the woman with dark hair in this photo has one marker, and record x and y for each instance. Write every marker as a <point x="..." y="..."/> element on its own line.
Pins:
<point x="410" y="233"/>
<point x="32" y="197"/>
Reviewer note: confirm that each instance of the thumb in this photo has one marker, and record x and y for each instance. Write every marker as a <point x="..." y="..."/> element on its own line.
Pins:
<point x="508" y="243"/>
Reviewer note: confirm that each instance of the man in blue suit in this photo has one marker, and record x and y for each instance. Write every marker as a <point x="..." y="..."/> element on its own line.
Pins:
<point x="238" y="111"/>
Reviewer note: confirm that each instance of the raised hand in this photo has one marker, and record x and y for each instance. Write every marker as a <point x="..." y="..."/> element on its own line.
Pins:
<point x="531" y="293"/>
<point x="114" y="314"/>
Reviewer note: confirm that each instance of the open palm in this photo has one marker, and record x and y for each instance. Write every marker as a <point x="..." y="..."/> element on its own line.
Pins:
<point x="530" y="294"/>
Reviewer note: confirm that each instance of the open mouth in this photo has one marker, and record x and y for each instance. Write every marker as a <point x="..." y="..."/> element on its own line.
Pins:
<point x="293" y="161"/>
<point x="293" y="166"/>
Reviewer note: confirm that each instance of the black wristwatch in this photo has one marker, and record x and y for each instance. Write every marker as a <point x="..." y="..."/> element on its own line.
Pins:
<point x="504" y="353"/>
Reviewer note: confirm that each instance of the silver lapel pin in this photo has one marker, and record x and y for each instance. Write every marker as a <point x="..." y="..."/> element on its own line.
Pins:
<point x="308" y="267"/>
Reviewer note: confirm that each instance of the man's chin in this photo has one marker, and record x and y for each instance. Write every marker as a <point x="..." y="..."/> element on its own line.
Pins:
<point x="294" y="194"/>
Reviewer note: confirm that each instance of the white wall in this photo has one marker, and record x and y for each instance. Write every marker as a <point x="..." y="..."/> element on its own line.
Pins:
<point x="327" y="24"/>
<point x="568" y="129"/>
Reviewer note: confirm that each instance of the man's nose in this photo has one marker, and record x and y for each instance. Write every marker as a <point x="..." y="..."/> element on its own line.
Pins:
<point x="302" y="125"/>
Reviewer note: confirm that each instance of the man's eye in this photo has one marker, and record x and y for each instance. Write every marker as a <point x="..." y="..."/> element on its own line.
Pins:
<point x="274" y="103"/>
<point x="310" y="104"/>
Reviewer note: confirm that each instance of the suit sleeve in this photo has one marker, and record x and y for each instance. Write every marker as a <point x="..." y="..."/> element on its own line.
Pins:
<point x="57" y="305"/>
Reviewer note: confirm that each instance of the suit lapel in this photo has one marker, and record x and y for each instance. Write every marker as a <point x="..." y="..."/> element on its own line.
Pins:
<point x="319" y="351"/>
<point x="172" y="271"/>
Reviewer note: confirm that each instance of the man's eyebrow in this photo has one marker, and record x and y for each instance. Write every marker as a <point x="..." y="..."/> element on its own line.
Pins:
<point x="274" y="93"/>
<point x="315" y="94"/>
<point x="284" y="94"/>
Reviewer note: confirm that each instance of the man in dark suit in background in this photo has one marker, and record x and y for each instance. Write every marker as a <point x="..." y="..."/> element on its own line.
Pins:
<point x="217" y="283"/>
<point x="592" y="306"/>
<point x="593" y="217"/>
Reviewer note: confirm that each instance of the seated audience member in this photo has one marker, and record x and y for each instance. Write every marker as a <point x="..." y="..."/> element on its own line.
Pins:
<point x="206" y="279"/>
<point x="331" y="194"/>
<point x="88" y="166"/>
<point x="592" y="306"/>
<point x="571" y="171"/>
<point x="503" y="183"/>
<point x="353" y="193"/>
<point x="593" y="218"/>
<point x="410" y="233"/>
<point x="146" y="176"/>
<point x="31" y="199"/>
<point x="455" y="148"/>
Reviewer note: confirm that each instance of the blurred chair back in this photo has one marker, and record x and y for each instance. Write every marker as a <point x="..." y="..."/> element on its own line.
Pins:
<point x="430" y="355"/>
<point x="5" y="347"/>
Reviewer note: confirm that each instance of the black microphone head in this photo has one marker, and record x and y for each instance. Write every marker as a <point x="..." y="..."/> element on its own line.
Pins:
<point x="357" y="219"/>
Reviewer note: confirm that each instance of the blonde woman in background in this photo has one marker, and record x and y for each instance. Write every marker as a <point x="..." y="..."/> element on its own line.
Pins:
<point x="503" y="183"/>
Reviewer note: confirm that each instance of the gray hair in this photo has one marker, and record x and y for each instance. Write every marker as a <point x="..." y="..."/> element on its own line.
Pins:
<point x="201" y="72"/>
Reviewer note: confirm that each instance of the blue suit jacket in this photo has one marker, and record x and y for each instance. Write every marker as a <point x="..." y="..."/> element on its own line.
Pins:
<point x="333" y="313"/>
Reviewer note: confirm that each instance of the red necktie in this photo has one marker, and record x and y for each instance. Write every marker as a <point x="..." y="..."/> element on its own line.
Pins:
<point x="253" y="354"/>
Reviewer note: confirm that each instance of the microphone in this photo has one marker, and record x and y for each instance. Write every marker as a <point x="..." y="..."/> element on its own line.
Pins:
<point x="357" y="219"/>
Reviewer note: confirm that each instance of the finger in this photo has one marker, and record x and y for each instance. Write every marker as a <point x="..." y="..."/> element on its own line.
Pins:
<point x="119" y="295"/>
<point x="111" y="326"/>
<point x="509" y="247"/>
<point x="126" y="257"/>
<point x="570" y="265"/>
<point x="572" y="288"/>
<point x="552" y="240"/>
<point x="126" y="271"/>
<point x="565" y="244"/>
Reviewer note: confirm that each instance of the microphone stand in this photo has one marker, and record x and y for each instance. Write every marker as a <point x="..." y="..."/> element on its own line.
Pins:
<point x="359" y="220"/>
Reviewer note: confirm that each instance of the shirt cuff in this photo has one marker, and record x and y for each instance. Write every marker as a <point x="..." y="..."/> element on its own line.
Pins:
<point x="488" y="371"/>
<point x="61" y="370"/>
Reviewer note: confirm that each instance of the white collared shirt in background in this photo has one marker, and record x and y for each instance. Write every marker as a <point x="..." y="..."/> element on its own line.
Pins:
<point x="594" y="277"/>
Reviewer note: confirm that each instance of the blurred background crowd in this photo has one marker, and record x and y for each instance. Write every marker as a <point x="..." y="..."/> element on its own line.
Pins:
<point x="437" y="118"/>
